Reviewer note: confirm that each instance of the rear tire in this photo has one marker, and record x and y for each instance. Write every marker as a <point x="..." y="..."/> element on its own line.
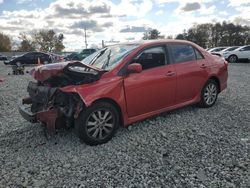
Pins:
<point x="233" y="59"/>
<point x="209" y="94"/>
<point x="97" y="124"/>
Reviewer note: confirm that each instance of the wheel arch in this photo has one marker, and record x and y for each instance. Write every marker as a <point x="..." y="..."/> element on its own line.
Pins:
<point x="115" y="104"/>
<point x="216" y="79"/>
<point x="233" y="55"/>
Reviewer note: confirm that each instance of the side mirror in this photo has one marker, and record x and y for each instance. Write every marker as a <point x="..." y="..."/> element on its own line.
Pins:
<point x="134" y="68"/>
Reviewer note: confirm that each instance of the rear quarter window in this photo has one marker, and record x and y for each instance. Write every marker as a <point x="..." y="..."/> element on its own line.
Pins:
<point x="198" y="54"/>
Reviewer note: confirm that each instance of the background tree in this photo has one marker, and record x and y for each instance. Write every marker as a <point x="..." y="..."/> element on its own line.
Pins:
<point x="48" y="41"/>
<point x="26" y="44"/>
<point x="182" y="36"/>
<point x="169" y="37"/>
<point x="217" y="34"/>
<point x="5" y="43"/>
<point x="152" y="34"/>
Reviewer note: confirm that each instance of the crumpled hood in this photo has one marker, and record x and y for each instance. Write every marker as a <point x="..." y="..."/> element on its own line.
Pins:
<point x="44" y="72"/>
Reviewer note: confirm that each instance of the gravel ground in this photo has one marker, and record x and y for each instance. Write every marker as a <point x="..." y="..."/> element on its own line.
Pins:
<point x="189" y="147"/>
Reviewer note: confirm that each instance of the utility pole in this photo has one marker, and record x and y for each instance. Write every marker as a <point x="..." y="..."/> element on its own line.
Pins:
<point x="85" y="34"/>
<point x="103" y="45"/>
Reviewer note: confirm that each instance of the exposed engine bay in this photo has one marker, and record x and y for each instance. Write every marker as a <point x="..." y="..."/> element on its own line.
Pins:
<point x="52" y="106"/>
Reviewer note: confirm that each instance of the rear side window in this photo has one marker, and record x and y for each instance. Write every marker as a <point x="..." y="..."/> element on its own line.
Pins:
<point x="182" y="53"/>
<point x="29" y="55"/>
<point x="151" y="57"/>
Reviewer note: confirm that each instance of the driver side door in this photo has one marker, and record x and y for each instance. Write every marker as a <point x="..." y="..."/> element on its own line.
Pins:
<point x="154" y="88"/>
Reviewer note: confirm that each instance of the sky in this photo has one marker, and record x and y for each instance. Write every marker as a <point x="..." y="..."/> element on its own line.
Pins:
<point x="115" y="20"/>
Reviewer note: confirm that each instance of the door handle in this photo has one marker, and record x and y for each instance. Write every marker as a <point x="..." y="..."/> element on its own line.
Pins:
<point x="203" y="66"/>
<point x="170" y="73"/>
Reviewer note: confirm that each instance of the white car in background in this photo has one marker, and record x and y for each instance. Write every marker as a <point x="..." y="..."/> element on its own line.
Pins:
<point x="216" y="49"/>
<point x="239" y="54"/>
<point x="229" y="49"/>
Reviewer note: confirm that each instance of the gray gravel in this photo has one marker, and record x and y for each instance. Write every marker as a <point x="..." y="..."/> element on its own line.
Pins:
<point x="189" y="147"/>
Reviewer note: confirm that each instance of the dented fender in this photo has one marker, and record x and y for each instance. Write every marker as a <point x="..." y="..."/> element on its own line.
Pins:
<point x="111" y="88"/>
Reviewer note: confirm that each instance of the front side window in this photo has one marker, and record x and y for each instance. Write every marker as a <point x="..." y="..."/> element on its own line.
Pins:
<point x="183" y="53"/>
<point x="29" y="55"/>
<point x="151" y="57"/>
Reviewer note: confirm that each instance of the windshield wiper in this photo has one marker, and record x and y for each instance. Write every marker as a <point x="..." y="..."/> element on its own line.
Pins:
<point x="107" y="62"/>
<point x="99" y="55"/>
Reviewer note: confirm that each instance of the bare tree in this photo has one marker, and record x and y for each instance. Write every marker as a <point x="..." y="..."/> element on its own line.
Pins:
<point x="5" y="43"/>
<point x="26" y="44"/>
<point x="48" y="40"/>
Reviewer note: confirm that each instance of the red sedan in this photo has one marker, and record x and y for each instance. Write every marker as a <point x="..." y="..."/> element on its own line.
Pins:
<point x="122" y="84"/>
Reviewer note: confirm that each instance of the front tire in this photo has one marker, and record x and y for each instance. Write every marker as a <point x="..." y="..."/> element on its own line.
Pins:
<point x="209" y="94"/>
<point x="97" y="124"/>
<point x="233" y="59"/>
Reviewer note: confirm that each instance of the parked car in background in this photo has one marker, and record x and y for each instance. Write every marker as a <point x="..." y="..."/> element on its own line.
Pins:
<point x="229" y="49"/>
<point x="3" y="57"/>
<point x="122" y="84"/>
<point x="81" y="55"/>
<point x="217" y="49"/>
<point x="226" y="50"/>
<point x="30" y="58"/>
<point x="56" y="57"/>
<point x="239" y="54"/>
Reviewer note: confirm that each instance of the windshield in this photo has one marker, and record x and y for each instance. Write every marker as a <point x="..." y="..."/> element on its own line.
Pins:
<point x="107" y="58"/>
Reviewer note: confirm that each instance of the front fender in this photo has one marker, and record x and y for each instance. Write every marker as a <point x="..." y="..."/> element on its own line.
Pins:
<point x="108" y="88"/>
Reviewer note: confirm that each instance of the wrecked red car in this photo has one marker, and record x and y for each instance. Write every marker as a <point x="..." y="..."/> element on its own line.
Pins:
<point x="122" y="84"/>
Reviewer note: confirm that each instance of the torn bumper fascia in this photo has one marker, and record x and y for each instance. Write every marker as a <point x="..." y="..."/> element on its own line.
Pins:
<point x="47" y="117"/>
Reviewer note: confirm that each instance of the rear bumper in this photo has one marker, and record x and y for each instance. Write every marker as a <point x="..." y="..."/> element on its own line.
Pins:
<point x="47" y="117"/>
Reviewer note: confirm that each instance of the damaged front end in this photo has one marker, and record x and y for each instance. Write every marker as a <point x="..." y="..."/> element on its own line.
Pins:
<point x="48" y="103"/>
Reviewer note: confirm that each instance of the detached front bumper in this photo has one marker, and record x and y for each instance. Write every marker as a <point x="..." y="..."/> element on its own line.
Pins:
<point x="47" y="117"/>
<point x="25" y="110"/>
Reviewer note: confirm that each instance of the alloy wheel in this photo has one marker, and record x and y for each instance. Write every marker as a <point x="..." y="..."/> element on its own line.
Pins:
<point x="233" y="59"/>
<point x="210" y="94"/>
<point x="100" y="124"/>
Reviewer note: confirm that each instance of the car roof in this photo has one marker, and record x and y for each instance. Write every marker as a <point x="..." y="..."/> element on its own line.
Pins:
<point x="242" y="47"/>
<point x="231" y="47"/>
<point x="155" y="42"/>
<point x="36" y="52"/>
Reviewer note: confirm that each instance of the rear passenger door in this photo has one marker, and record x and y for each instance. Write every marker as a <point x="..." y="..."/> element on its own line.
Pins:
<point x="191" y="69"/>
